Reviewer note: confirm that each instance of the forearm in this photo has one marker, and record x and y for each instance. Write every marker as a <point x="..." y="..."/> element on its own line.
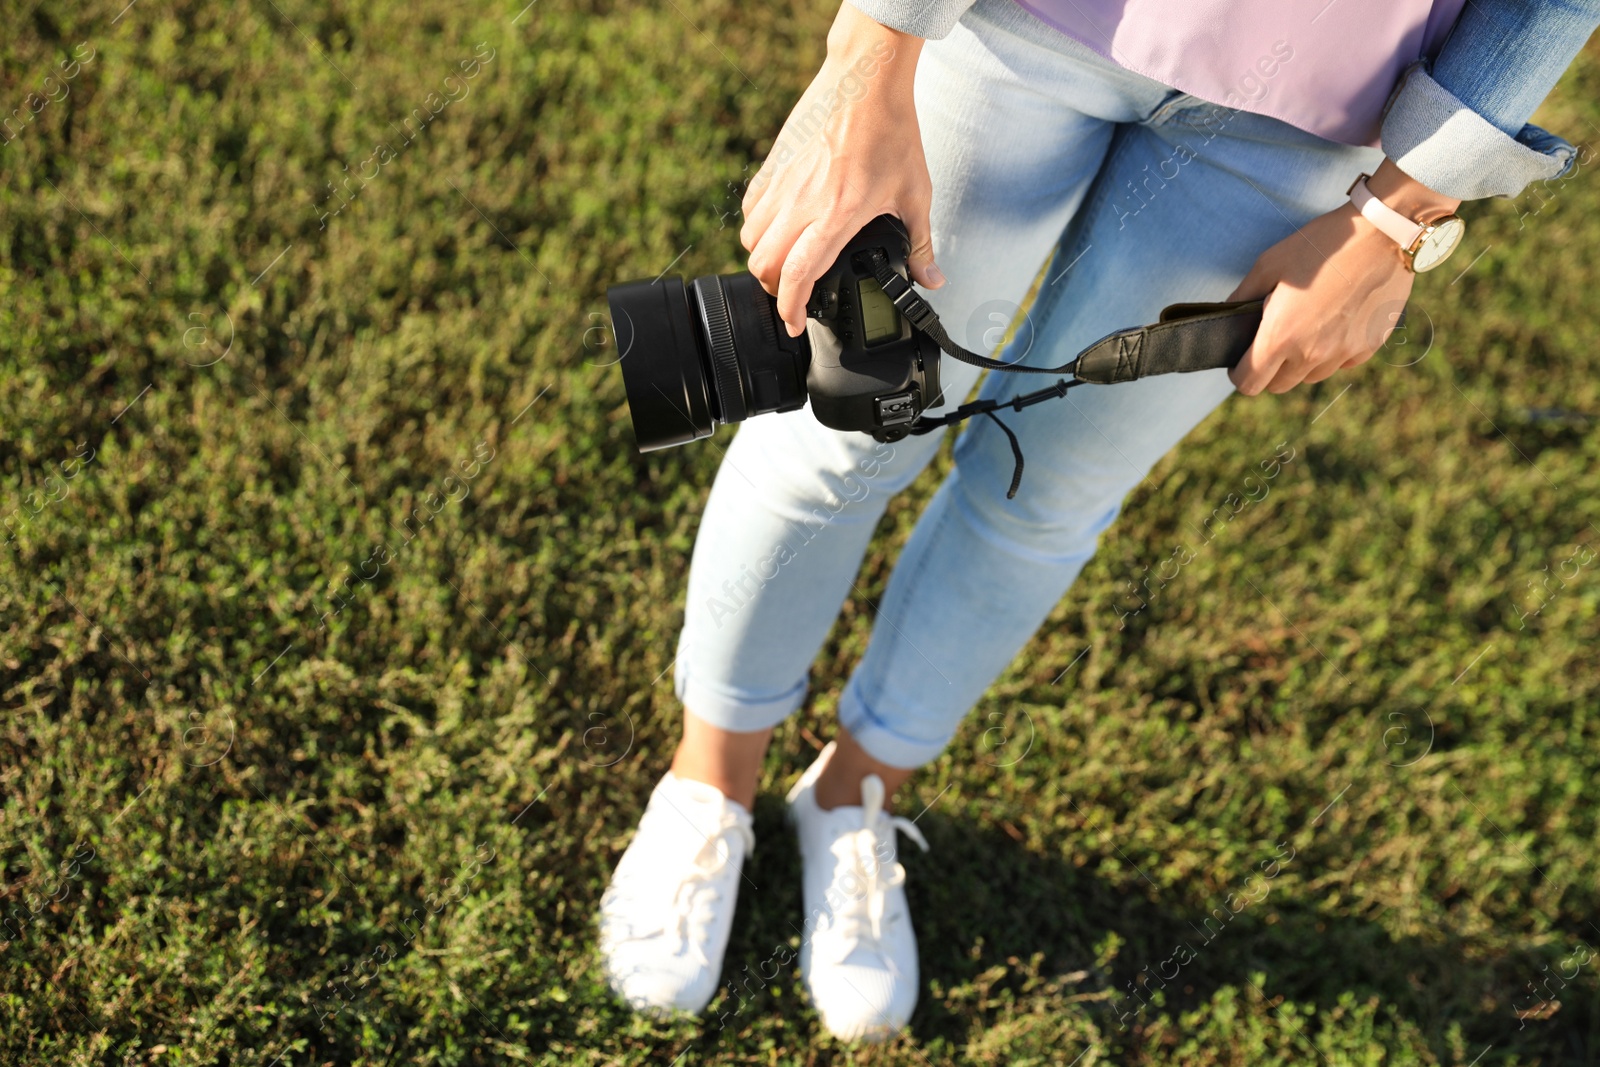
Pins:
<point x="855" y="36"/>
<point x="850" y="150"/>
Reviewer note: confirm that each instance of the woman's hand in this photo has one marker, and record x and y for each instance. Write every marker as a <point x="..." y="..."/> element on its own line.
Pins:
<point x="1334" y="289"/>
<point x="851" y="150"/>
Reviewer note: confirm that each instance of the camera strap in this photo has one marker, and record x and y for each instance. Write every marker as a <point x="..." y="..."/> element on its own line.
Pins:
<point x="923" y="317"/>
<point x="1187" y="337"/>
<point x="988" y="408"/>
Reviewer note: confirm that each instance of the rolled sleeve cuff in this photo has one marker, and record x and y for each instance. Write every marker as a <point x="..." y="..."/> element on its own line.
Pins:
<point x="931" y="19"/>
<point x="1453" y="150"/>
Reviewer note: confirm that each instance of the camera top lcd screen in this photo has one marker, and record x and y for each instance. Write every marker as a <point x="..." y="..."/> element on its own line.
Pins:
<point x="880" y="320"/>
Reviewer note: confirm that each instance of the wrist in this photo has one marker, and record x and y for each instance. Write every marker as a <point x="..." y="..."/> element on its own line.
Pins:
<point x="1421" y="223"/>
<point x="857" y="40"/>
<point x="1403" y="193"/>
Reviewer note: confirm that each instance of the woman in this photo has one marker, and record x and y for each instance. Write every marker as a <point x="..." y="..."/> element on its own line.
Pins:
<point x="1164" y="151"/>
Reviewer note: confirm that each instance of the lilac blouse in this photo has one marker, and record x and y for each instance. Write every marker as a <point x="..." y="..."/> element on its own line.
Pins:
<point x="1325" y="66"/>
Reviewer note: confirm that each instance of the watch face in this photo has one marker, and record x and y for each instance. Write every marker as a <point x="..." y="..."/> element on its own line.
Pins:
<point x="1436" y="247"/>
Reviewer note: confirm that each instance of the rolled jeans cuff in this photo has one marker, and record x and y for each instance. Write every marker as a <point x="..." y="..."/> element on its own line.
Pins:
<point x="879" y="741"/>
<point x="735" y="710"/>
<point x="1453" y="150"/>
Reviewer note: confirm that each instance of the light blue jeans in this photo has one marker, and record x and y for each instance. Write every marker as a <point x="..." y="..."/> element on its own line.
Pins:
<point x="1147" y="197"/>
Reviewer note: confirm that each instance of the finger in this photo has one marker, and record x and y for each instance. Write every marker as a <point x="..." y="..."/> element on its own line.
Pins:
<point x="1291" y="372"/>
<point x="1386" y="327"/>
<point x="1261" y="360"/>
<point x="1237" y="372"/>
<point x="924" y="271"/>
<point x="1257" y="367"/>
<point x="769" y="253"/>
<point x="1359" y="350"/>
<point x="809" y="258"/>
<point x="756" y="190"/>
<point x="760" y="213"/>
<point x="1356" y="361"/>
<point x="1323" y="371"/>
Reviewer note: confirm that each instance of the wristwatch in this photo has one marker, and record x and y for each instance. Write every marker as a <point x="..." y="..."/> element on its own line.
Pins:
<point x="1424" y="244"/>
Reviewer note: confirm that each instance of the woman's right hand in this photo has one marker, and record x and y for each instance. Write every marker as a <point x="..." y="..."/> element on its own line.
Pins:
<point x="850" y="151"/>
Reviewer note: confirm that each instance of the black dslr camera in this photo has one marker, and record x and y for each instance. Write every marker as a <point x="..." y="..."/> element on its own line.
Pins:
<point x="869" y="359"/>
<point x="715" y="351"/>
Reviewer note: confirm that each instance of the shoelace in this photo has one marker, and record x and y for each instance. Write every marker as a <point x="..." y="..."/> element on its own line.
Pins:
<point x="859" y="920"/>
<point x="693" y="903"/>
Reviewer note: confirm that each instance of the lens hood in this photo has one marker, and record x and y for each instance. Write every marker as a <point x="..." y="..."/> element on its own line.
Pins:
<point x="669" y="395"/>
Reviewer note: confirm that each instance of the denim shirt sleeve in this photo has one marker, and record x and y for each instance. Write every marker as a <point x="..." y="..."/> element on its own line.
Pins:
<point x="1459" y="124"/>
<point x="932" y="19"/>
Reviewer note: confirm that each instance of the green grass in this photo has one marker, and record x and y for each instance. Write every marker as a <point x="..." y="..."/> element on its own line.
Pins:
<point x="241" y="827"/>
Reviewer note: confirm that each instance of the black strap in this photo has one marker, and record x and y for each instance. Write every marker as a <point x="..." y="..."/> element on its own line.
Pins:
<point x="923" y="317"/>
<point x="1016" y="453"/>
<point x="1188" y="337"/>
<point x="989" y="407"/>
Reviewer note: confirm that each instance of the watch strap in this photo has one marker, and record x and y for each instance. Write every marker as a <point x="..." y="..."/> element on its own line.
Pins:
<point x="1401" y="230"/>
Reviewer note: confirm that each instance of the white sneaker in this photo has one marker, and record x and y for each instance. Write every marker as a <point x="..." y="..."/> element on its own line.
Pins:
<point x="859" y="954"/>
<point x="665" y="918"/>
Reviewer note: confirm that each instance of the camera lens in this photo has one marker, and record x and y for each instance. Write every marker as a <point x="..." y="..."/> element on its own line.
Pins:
<point x="697" y="357"/>
<point x="663" y="368"/>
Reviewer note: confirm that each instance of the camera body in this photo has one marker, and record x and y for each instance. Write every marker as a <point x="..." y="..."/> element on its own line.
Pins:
<point x="871" y="369"/>
<point x="715" y="352"/>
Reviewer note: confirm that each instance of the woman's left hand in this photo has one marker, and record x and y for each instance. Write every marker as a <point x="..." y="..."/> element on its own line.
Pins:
<point x="1334" y="290"/>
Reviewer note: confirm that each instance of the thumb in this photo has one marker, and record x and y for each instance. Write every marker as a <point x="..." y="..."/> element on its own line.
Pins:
<point x="920" y="262"/>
